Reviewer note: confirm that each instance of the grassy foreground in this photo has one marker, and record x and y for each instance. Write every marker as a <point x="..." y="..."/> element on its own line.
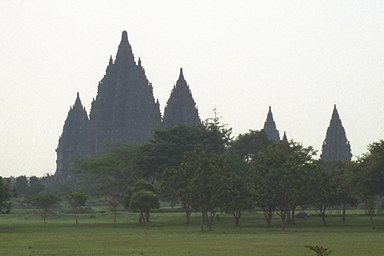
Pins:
<point x="167" y="235"/>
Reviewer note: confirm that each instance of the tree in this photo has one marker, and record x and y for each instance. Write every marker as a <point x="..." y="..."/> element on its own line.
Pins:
<point x="77" y="202"/>
<point x="278" y="174"/>
<point x="208" y="185"/>
<point x="21" y="185"/>
<point x="249" y="144"/>
<point x="342" y="188"/>
<point x="239" y="199"/>
<point x="5" y="195"/>
<point x="35" y="186"/>
<point x="174" y="181"/>
<point x="322" y="192"/>
<point x="167" y="149"/>
<point x="110" y="174"/>
<point x="217" y="137"/>
<point x="367" y="177"/>
<point x="44" y="203"/>
<point x="114" y="203"/>
<point x="143" y="201"/>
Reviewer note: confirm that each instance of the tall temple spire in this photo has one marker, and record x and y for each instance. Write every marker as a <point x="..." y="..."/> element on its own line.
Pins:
<point x="336" y="146"/>
<point x="124" y="110"/>
<point x="270" y="127"/>
<point x="181" y="107"/>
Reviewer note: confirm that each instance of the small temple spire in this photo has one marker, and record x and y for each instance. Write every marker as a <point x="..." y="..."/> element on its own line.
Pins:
<point x="336" y="146"/>
<point x="270" y="127"/>
<point x="181" y="107"/>
<point x="139" y="62"/>
<point x="285" y="139"/>
<point x="78" y="101"/>
<point x="110" y="60"/>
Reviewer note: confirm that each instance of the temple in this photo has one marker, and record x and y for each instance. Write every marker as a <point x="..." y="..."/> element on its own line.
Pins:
<point x="270" y="127"/>
<point x="74" y="141"/>
<point x="181" y="108"/>
<point x="123" y="112"/>
<point x="126" y="112"/>
<point x="336" y="147"/>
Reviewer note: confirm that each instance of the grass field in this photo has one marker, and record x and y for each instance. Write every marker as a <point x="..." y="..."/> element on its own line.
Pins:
<point x="25" y="234"/>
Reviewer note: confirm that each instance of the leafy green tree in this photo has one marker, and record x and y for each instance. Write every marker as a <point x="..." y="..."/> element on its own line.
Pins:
<point x="21" y="185"/>
<point x="167" y="149"/>
<point x="35" y="186"/>
<point x="367" y="177"/>
<point x="239" y="199"/>
<point x="342" y="188"/>
<point x="110" y="174"/>
<point x="249" y="144"/>
<point x="5" y="195"/>
<point x="278" y="174"/>
<point x="217" y="137"/>
<point x="143" y="201"/>
<point x="77" y="201"/>
<point x="174" y="181"/>
<point x="44" y="203"/>
<point x="114" y="203"/>
<point x="323" y="191"/>
<point x="209" y="183"/>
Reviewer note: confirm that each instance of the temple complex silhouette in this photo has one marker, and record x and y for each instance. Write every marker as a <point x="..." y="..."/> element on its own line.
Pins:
<point x="126" y="112"/>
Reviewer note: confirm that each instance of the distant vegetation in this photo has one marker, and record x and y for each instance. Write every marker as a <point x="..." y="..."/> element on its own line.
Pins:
<point x="204" y="170"/>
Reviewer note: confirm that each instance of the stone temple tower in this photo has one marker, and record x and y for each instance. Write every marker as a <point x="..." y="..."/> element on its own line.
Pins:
<point x="270" y="128"/>
<point x="181" y="108"/>
<point x="336" y="147"/>
<point x="74" y="141"/>
<point x="124" y="110"/>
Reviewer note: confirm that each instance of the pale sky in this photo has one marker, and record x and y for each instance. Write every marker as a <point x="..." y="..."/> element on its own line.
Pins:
<point x="300" y="57"/>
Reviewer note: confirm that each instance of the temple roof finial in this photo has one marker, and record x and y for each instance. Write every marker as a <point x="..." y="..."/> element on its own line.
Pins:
<point x="181" y="76"/>
<point x="124" y="36"/>
<point x="285" y="139"/>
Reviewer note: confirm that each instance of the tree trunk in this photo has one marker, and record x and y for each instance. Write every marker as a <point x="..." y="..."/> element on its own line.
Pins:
<point x="369" y="205"/>
<point x="288" y="218"/>
<point x="268" y="214"/>
<point x="114" y="217"/>
<point x="188" y="212"/>
<point x="283" y="216"/>
<point x="293" y="215"/>
<point x="146" y="214"/>
<point x="322" y="214"/>
<point x="236" y="216"/>
<point x="344" y="205"/>
<point x="203" y="215"/>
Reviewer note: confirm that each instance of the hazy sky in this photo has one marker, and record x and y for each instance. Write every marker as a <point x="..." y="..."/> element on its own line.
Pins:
<point x="300" y="57"/>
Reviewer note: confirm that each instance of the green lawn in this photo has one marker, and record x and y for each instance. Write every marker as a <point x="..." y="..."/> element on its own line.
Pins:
<point x="25" y="234"/>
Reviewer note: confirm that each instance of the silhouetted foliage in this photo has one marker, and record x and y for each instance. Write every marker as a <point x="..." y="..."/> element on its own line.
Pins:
<point x="77" y="202"/>
<point x="44" y="203"/>
<point x="143" y="201"/>
<point x="5" y="195"/>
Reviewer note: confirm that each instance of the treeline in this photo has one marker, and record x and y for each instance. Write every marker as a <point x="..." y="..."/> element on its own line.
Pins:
<point x="203" y="169"/>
